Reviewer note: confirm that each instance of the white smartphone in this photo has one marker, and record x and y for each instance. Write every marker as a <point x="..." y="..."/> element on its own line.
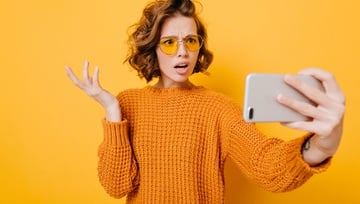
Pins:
<point x="261" y="90"/>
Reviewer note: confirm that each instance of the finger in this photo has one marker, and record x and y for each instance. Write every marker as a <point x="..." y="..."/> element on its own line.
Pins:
<point x="329" y="82"/>
<point x="86" y="71"/>
<point x="96" y="76"/>
<point x="299" y="125"/>
<point x="302" y="126"/>
<point x="314" y="94"/>
<point x="72" y="76"/>
<point x="303" y="108"/>
<point x="308" y="126"/>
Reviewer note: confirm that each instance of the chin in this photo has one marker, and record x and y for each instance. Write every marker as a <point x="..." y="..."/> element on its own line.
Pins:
<point x="181" y="79"/>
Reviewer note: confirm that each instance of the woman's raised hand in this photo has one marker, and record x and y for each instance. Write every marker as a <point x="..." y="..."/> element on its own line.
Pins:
<point x="328" y="114"/>
<point x="91" y="86"/>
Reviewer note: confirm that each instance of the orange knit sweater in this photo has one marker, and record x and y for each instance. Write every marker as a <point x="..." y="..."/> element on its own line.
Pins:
<point x="172" y="145"/>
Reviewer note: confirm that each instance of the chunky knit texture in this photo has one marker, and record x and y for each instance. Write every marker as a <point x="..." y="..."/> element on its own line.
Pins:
<point x="172" y="145"/>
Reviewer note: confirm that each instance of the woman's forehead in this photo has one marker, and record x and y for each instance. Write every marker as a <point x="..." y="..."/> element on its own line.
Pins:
<point x="178" y="25"/>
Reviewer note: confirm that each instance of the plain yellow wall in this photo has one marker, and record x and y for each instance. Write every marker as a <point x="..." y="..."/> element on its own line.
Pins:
<point x="50" y="130"/>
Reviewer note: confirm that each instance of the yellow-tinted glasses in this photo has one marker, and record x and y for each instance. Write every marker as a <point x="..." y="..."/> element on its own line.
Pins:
<point x="170" y="45"/>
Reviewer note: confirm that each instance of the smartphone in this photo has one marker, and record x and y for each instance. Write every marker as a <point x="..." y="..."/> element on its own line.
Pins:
<point x="261" y="91"/>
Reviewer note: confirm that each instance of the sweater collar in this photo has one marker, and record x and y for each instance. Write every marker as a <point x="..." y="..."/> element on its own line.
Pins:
<point x="173" y="90"/>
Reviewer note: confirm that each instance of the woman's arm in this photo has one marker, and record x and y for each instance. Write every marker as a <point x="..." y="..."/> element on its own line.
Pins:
<point x="117" y="166"/>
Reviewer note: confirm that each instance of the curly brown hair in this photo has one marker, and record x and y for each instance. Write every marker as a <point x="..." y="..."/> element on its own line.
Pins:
<point x="146" y="36"/>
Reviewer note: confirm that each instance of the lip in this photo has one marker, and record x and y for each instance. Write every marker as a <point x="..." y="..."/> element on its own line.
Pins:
<point x="182" y="69"/>
<point x="181" y="64"/>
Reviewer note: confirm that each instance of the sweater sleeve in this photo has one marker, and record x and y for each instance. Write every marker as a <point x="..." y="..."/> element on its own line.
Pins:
<point x="273" y="164"/>
<point x="117" y="168"/>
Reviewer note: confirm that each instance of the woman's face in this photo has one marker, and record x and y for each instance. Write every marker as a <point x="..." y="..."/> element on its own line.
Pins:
<point x="176" y="68"/>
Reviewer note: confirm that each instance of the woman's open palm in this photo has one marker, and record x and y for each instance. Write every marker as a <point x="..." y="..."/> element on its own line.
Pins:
<point x="91" y="86"/>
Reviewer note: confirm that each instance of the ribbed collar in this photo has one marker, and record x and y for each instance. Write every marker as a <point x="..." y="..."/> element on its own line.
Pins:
<point x="153" y="89"/>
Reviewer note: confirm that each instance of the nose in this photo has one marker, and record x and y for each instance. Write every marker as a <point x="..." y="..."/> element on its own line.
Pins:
<point x="182" y="49"/>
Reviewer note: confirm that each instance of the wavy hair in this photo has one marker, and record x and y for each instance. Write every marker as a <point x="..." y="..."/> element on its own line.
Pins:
<point x="146" y="35"/>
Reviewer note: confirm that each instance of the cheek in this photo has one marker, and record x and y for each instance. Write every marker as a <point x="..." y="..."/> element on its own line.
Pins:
<point x="195" y="57"/>
<point x="162" y="58"/>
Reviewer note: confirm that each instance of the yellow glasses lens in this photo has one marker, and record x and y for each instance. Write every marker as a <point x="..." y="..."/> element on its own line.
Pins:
<point x="192" y="43"/>
<point x="170" y="45"/>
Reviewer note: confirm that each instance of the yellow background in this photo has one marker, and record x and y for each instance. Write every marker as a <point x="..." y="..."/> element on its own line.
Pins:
<point x="50" y="130"/>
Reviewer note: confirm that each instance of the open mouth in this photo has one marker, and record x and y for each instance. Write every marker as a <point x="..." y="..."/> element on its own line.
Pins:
<point x="181" y="66"/>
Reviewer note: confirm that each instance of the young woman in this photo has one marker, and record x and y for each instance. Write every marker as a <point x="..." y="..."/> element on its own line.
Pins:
<point x="168" y="143"/>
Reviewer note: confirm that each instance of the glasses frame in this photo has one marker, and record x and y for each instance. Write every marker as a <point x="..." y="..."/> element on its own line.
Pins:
<point x="201" y="40"/>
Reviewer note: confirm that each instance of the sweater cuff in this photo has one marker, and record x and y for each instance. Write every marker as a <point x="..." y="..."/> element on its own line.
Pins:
<point x="115" y="133"/>
<point x="295" y="159"/>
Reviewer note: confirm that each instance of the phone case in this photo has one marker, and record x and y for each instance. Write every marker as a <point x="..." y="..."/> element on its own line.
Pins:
<point x="260" y="103"/>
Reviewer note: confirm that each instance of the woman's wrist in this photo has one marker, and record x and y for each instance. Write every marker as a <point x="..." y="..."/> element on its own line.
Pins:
<point x="312" y="153"/>
<point x="113" y="113"/>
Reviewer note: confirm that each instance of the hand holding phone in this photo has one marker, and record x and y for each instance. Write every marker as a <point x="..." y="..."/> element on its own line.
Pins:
<point x="261" y="91"/>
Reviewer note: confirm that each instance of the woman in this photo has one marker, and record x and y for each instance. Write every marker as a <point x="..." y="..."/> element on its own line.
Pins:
<point x="168" y="143"/>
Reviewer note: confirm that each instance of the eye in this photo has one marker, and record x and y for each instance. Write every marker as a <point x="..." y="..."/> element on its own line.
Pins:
<point x="168" y="41"/>
<point x="192" y="40"/>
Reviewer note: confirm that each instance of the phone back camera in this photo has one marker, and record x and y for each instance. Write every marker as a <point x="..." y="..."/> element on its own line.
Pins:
<point x="251" y="113"/>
